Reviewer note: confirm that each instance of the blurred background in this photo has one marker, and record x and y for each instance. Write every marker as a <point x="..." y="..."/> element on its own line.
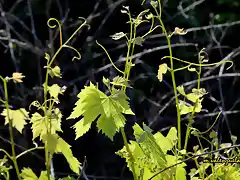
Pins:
<point x="25" y="37"/>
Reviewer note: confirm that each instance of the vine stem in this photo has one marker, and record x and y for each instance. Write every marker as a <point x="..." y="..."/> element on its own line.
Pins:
<point x="48" y="156"/>
<point x="159" y="15"/>
<point x="126" y="76"/>
<point x="14" y="159"/>
<point x="27" y="151"/>
<point x="174" y="82"/>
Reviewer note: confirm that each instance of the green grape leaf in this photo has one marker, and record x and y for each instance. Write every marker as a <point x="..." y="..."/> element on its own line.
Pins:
<point x="181" y="90"/>
<point x="181" y="173"/>
<point x="81" y="128"/>
<point x="43" y="176"/>
<point x="39" y="123"/>
<point x="199" y="92"/>
<point x="54" y="90"/>
<point x="150" y="158"/>
<point x="192" y="97"/>
<point x="93" y="103"/>
<point x="65" y="149"/>
<point x="55" y="72"/>
<point x="106" y="81"/>
<point x="119" y="81"/>
<point x="28" y="174"/>
<point x="148" y="141"/>
<point x="168" y="142"/>
<point x="18" y="118"/>
<point x="172" y="136"/>
<point x="51" y="140"/>
<point x="185" y="109"/>
<point x="139" y="161"/>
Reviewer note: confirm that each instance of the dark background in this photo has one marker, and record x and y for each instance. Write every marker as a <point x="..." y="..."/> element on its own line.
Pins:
<point x="213" y="25"/>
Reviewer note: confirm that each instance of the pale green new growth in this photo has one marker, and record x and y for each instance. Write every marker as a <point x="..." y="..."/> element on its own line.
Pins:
<point x="28" y="174"/>
<point x="93" y="103"/>
<point x="39" y="124"/>
<point x="65" y="149"/>
<point x="150" y="154"/>
<point x="18" y="118"/>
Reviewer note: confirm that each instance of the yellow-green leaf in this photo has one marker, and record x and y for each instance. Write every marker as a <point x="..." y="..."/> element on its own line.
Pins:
<point x="81" y="128"/>
<point x="51" y="140"/>
<point x="181" y="90"/>
<point x="28" y="174"/>
<point x="93" y="103"/>
<point x="18" y="118"/>
<point x="162" y="70"/>
<point x="54" y="90"/>
<point x="65" y="149"/>
<point x="39" y="123"/>
<point x="55" y="72"/>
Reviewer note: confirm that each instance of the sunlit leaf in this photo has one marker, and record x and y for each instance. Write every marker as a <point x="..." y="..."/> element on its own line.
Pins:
<point x="39" y="123"/>
<point x="65" y="149"/>
<point x="81" y="128"/>
<point x="51" y="140"/>
<point x="181" y="90"/>
<point x="119" y="81"/>
<point x="93" y="103"/>
<point x="18" y="118"/>
<point x="28" y="174"/>
<point x="55" y="72"/>
<point x="54" y="90"/>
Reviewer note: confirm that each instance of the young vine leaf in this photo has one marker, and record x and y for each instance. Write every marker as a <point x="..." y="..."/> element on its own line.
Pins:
<point x="93" y="103"/>
<point x="18" y="118"/>
<point x="150" y="154"/>
<point x="39" y="124"/>
<point x="195" y="97"/>
<point x="28" y="174"/>
<point x="65" y="149"/>
<point x="55" y="72"/>
<point x="81" y="128"/>
<point x="54" y="90"/>
<point x="119" y="81"/>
